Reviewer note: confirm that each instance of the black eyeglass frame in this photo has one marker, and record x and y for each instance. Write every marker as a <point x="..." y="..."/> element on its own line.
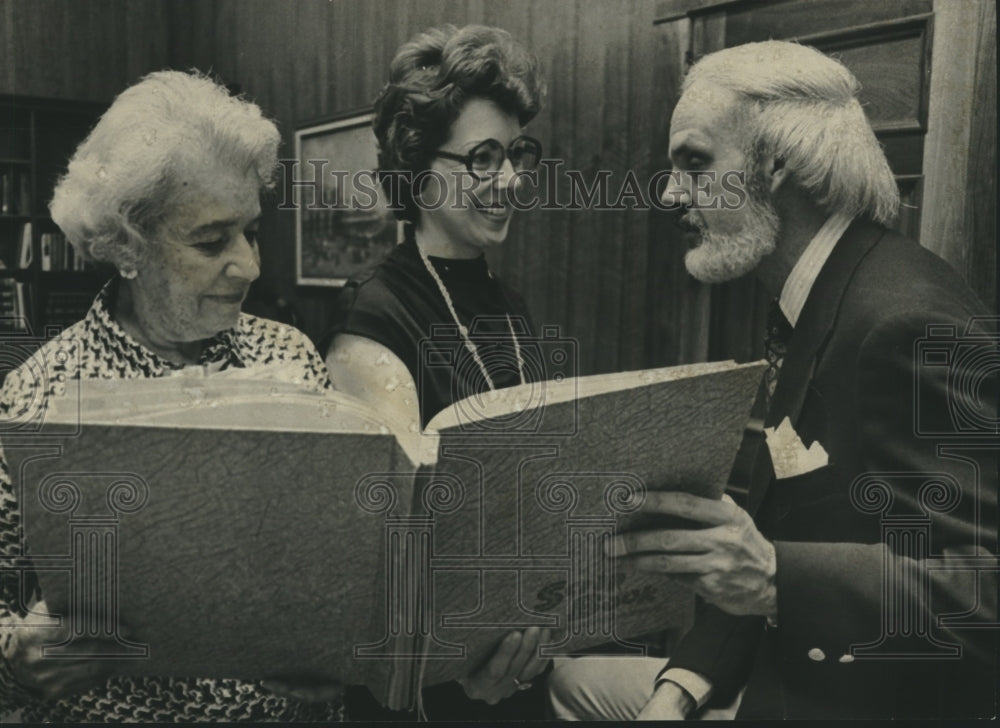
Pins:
<point x="470" y="155"/>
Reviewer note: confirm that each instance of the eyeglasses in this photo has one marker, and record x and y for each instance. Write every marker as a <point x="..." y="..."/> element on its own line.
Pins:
<point x="487" y="157"/>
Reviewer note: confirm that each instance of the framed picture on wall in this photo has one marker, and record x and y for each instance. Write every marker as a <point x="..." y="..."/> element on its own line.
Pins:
<point x="343" y="226"/>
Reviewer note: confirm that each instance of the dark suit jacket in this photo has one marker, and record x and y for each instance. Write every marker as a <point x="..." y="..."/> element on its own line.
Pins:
<point x="862" y="378"/>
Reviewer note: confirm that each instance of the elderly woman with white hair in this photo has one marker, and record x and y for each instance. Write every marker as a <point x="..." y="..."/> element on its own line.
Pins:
<point x="166" y="189"/>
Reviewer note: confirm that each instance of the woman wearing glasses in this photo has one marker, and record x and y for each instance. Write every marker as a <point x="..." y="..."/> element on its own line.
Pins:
<point x="448" y="126"/>
<point x="432" y="324"/>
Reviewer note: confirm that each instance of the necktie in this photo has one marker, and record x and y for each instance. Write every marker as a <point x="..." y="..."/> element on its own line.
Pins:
<point x="779" y="331"/>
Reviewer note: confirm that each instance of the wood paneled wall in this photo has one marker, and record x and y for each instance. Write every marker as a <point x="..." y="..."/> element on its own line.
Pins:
<point x="614" y="280"/>
<point x="586" y="271"/>
<point x="80" y="50"/>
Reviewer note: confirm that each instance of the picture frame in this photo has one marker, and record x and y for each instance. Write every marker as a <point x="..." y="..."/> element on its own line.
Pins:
<point x="343" y="224"/>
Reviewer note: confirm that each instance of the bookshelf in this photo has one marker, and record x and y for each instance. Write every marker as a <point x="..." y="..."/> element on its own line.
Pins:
<point x="43" y="285"/>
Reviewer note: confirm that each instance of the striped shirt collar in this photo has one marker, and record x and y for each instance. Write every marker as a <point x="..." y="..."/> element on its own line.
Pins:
<point x="800" y="281"/>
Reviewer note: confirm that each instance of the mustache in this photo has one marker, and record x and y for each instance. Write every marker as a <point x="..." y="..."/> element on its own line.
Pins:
<point x="690" y="221"/>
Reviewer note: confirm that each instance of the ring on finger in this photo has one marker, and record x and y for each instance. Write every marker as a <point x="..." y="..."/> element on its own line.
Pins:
<point x="525" y="685"/>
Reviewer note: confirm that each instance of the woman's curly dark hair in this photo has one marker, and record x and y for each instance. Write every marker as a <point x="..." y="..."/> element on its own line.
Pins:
<point x="430" y="79"/>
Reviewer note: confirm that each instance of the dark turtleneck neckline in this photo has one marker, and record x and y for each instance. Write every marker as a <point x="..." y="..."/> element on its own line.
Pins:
<point x="460" y="271"/>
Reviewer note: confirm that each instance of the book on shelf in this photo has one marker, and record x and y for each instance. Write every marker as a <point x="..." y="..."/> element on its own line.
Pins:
<point x="15" y="192"/>
<point x="11" y="317"/>
<point x="238" y="526"/>
<point x="25" y="253"/>
<point x="8" y="297"/>
<point x="45" y="243"/>
<point x="13" y="306"/>
<point x="23" y="302"/>
<point x="65" y="308"/>
<point x="57" y="253"/>
<point x="24" y="192"/>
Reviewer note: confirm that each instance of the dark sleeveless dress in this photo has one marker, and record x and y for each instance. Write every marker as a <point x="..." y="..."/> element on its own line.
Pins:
<point x="399" y="305"/>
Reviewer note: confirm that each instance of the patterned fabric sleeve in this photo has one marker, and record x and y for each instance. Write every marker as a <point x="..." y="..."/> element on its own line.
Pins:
<point x="12" y="694"/>
<point x="279" y="351"/>
<point x="300" y="350"/>
<point x="15" y="587"/>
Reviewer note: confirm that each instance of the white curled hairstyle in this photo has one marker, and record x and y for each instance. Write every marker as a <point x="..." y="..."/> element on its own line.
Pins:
<point x="802" y="108"/>
<point x="123" y="178"/>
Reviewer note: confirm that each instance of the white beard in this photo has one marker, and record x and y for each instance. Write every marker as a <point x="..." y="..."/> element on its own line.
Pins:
<point x="722" y="257"/>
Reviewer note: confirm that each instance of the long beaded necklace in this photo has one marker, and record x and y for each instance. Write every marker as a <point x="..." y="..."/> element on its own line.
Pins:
<point x="464" y="331"/>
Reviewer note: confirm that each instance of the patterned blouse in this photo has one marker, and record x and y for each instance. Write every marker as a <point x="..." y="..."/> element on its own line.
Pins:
<point x="98" y="348"/>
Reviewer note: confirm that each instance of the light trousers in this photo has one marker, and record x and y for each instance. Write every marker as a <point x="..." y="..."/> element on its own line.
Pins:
<point x="611" y="688"/>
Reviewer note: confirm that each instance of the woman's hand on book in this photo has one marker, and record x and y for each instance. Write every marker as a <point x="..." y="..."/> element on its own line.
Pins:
<point x="513" y="666"/>
<point x="46" y="677"/>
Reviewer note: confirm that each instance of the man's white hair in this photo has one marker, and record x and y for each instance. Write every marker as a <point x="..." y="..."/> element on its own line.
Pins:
<point x="124" y="177"/>
<point x="802" y="108"/>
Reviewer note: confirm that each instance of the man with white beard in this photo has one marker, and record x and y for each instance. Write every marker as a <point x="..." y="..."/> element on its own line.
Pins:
<point x="803" y="610"/>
